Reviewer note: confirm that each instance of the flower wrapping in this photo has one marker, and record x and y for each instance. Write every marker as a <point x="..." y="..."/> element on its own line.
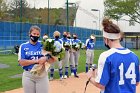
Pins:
<point x="39" y="70"/>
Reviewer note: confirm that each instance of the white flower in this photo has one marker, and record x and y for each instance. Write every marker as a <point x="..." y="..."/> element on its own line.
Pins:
<point x="58" y="46"/>
<point x="83" y="45"/>
<point x="77" y="46"/>
<point x="45" y="37"/>
<point x="67" y="44"/>
<point x="50" y="40"/>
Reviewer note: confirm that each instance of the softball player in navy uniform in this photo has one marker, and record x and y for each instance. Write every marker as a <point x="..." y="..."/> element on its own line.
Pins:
<point x="90" y="43"/>
<point x="29" y="55"/>
<point x="66" y="58"/>
<point x="118" y="68"/>
<point x="58" y="43"/>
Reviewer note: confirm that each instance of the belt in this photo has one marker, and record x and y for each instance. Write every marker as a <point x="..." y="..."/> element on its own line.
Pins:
<point x="67" y="50"/>
<point x="27" y="69"/>
<point x="90" y="49"/>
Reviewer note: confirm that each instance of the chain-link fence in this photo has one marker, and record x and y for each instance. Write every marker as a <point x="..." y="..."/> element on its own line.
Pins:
<point x="132" y="42"/>
<point x="12" y="33"/>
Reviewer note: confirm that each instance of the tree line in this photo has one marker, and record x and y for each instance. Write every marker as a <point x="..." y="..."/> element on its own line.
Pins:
<point x="17" y="11"/>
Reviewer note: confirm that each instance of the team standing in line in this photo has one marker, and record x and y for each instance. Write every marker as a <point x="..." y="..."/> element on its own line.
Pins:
<point x="71" y="57"/>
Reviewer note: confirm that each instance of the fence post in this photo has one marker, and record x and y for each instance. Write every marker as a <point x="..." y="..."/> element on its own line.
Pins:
<point x="136" y="42"/>
<point x="125" y="41"/>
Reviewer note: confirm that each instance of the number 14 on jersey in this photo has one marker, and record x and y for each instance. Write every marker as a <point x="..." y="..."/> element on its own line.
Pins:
<point x="130" y="74"/>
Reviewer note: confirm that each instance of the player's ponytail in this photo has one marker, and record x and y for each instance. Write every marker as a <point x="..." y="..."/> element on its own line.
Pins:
<point x="109" y="26"/>
<point x="111" y="30"/>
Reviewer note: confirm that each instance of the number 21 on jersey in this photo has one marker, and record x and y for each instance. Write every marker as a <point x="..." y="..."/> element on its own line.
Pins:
<point x="130" y="74"/>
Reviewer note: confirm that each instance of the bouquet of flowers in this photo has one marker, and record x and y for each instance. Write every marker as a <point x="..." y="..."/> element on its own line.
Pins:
<point x="51" y="50"/>
<point x="77" y="46"/>
<point x="66" y="45"/>
<point x="48" y="45"/>
<point x="58" y="51"/>
<point x="83" y="46"/>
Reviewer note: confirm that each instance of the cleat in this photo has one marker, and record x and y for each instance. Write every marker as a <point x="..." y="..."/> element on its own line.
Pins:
<point x="72" y="74"/>
<point x="76" y="76"/>
<point x="61" y="78"/>
<point x="51" y="78"/>
<point x="65" y="77"/>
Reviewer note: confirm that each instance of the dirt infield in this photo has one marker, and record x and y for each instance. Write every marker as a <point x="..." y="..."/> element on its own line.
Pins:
<point x="70" y="85"/>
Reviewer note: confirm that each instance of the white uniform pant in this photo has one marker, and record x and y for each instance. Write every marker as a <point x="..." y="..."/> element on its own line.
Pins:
<point x="76" y="57"/>
<point x="34" y="84"/>
<point x="89" y="56"/>
<point x="66" y="59"/>
<point x="58" y="63"/>
<point x="71" y="59"/>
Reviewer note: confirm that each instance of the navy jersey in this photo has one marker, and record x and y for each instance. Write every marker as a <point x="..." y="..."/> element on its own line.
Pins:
<point x="118" y="71"/>
<point x="29" y="51"/>
<point x="90" y="44"/>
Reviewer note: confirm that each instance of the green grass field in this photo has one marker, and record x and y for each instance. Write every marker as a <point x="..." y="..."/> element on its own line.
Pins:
<point x="7" y="83"/>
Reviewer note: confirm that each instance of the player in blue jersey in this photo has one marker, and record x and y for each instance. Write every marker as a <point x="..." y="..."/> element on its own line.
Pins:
<point x="118" y="68"/>
<point x="71" y="58"/>
<point x="76" y="52"/>
<point x="29" y="55"/>
<point x="90" y="43"/>
<point x="58" y="43"/>
<point x="66" y="45"/>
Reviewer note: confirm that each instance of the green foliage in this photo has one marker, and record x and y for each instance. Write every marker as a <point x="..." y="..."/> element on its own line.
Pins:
<point x="66" y="45"/>
<point x="14" y="12"/>
<point x="3" y="9"/>
<point x="60" y="54"/>
<point x="77" y="46"/>
<point x="48" y="45"/>
<point x="116" y="9"/>
<point x="17" y="6"/>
